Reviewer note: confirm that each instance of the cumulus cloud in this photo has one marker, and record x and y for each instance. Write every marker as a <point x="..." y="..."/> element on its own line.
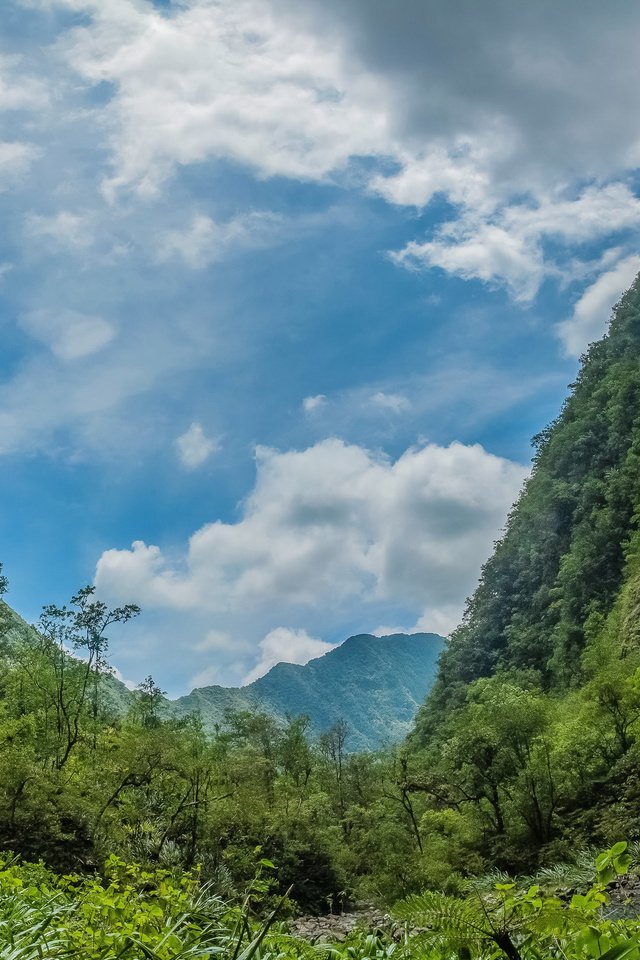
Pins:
<point x="591" y="312"/>
<point x="522" y="105"/>
<point x="223" y="80"/>
<point x="69" y="334"/>
<point x="309" y="404"/>
<point x="310" y="85"/>
<point x="484" y="252"/>
<point x="194" y="447"/>
<point x="286" y="646"/>
<point x="330" y="533"/>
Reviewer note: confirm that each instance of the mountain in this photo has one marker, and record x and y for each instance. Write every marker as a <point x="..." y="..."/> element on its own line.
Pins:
<point x="375" y="684"/>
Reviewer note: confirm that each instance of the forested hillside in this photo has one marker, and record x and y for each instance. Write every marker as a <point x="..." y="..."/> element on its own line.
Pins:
<point x="528" y="744"/>
<point x="562" y="558"/>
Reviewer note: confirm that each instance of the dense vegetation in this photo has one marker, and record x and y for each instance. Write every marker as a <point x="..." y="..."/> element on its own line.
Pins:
<point x="81" y="780"/>
<point x="528" y="744"/>
<point x="526" y="752"/>
<point x="164" y="915"/>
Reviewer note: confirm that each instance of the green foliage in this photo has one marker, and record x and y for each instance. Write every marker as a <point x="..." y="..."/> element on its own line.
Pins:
<point x="522" y="923"/>
<point x="81" y="780"/>
<point x="132" y="912"/>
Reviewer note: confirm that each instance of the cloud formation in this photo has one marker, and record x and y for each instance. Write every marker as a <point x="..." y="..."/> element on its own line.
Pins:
<point x="15" y="159"/>
<point x="590" y="314"/>
<point x="204" y="241"/>
<point x="154" y="143"/>
<point x="530" y="144"/>
<point x="194" y="447"/>
<point x="329" y="533"/>
<point x="286" y="646"/>
<point x="202" y="84"/>
<point x="508" y="247"/>
<point x="309" y="404"/>
<point x="393" y="402"/>
<point x="69" y="334"/>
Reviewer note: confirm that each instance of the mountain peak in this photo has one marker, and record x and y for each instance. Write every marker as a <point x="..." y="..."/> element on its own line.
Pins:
<point x="376" y="684"/>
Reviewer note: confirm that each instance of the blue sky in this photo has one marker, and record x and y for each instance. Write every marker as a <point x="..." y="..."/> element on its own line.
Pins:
<point x="285" y="290"/>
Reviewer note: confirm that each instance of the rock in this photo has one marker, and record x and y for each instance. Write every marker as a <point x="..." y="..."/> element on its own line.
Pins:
<point x="337" y="927"/>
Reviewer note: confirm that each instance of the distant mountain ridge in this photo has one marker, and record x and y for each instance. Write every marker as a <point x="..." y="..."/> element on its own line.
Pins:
<point x="375" y="684"/>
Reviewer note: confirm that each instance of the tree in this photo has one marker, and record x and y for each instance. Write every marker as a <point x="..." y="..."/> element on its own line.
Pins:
<point x="332" y="744"/>
<point x="66" y="657"/>
<point x="150" y="700"/>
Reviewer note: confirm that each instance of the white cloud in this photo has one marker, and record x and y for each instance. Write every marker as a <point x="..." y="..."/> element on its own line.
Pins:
<point x="194" y="447"/>
<point x="89" y="410"/>
<point x="329" y="534"/>
<point x="504" y="131"/>
<point x="129" y="684"/>
<point x="65" y="228"/>
<point x="300" y="89"/>
<point x="204" y="678"/>
<point x="19" y="90"/>
<point x="591" y="312"/>
<point x="282" y="645"/>
<point x="70" y="335"/>
<point x="386" y="631"/>
<point x="15" y="159"/>
<point x="215" y="640"/>
<point x="485" y="252"/>
<point x="508" y="246"/>
<point x="310" y="404"/>
<point x="204" y="241"/>
<point x="395" y="402"/>
<point x="459" y="170"/>
<point x="224" y="80"/>
<point x="441" y="621"/>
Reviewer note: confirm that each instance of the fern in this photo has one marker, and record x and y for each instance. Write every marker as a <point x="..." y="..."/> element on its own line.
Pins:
<point x="461" y="922"/>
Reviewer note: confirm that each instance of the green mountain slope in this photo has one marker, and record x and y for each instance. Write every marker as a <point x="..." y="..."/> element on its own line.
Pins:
<point x="376" y="684"/>
<point x="562" y="557"/>
<point x="529" y="744"/>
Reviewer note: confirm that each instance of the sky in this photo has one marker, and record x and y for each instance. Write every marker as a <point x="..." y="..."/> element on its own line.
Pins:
<point x="285" y="290"/>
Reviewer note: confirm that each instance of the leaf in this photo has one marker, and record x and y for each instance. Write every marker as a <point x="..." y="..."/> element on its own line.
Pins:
<point x="620" y="950"/>
<point x="618" y="848"/>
